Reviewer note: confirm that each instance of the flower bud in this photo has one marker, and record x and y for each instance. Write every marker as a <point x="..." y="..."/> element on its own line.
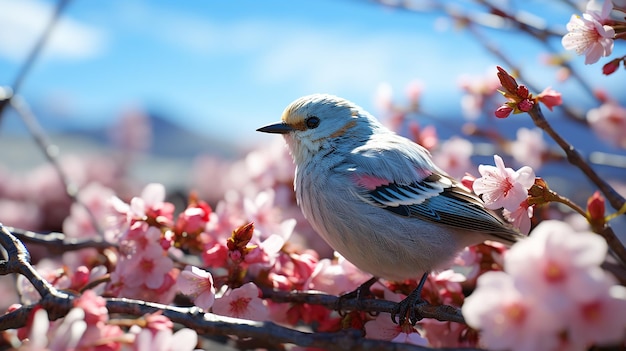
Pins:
<point x="508" y="82"/>
<point x="522" y="92"/>
<point x="595" y="209"/>
<point x="241" y="236"/>
<point x="525" y="105"/>
<point x="503" y="111"/>
<point x="611" y="67"/>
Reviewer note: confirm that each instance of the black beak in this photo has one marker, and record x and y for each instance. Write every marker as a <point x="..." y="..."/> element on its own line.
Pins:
<point x="276" y="128"/>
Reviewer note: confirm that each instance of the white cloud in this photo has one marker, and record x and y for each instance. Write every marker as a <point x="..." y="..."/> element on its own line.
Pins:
<point x="23" y="22"/>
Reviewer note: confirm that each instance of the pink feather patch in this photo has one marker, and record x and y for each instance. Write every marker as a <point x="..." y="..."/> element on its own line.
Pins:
<point x="369" y="182"/>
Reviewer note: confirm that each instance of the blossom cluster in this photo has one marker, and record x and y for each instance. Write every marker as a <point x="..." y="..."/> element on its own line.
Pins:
<point x="552" y="295"/>
<point x="593" y="33"/>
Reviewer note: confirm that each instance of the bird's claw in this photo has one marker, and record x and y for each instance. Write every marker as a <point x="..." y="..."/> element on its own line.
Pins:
<point x="359" y="294"/>
<point x="407" y="308"/>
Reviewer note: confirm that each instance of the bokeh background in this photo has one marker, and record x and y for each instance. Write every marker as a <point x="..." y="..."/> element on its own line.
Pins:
<point x="135" y="91"/>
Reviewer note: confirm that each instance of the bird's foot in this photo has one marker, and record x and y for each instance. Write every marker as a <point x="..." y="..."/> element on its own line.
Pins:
<point x="360" y="293"/>
<point x="406" y="307"/>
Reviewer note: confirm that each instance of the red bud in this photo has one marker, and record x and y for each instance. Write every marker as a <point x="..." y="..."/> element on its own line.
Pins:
<point x="611" y="66"/>
<point x="595" y="208"/>
<point x="507" y="81"/>
<point x="503" y="111"/>
<point x="525" y="105"/>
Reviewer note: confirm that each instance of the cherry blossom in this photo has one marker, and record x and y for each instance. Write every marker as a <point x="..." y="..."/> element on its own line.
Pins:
<point x="148" y="265"/>
<point x="454" y="155"/>
<point x="589" y="35"/>
<point x="609" y="123"/>
<point x="507" y="319"/>
<point x="520" y="217"/>
<point x="529" y="147"/>
<point x="550" y="98"/>
<point x="337" y="276"/>
<point x="242" y="302"/>
<point x="555" y="262"/>
<point x="382" y="328"/>
<point x="600" y="320"/>
<point x="198" y="284"/>
<point x="94" y="307"/>
<point x="503" y="187"/>
<point x="164" y="340"/>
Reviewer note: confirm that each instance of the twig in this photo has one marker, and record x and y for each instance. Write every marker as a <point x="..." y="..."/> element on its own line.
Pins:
<point x="574" y="157"/>
<point x="50" y="151"/>
<point x="34" y="53"/>
<point x="59" y="242"/>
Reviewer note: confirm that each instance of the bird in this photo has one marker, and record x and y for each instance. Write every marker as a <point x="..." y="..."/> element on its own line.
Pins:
<point x="377" y="197"/>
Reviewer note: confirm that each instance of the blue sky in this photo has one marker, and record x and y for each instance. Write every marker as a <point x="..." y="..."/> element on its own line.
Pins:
<point x="226" y="67"/>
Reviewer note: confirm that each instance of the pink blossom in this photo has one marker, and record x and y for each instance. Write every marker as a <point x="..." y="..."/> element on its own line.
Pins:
<point x="550" y="98"/>
<point x="601" y="320"/>
<point x="520" y="217"/>
<point x="192" y="220"/>
<point x="292" y="270"/>
<point x="242" y="302"/>
<point x="382" y="328"/>
<point x="147" y="266"/>
<point x="589" y="35"/>
<point x="445" y="334"/>
<point x="337" y="276"/>
<point x="157" y="321"/>
<point x="94" y="307"/>
<point x="503" y="187"/>
<point x="216" y="255"/>
<point x="151" y="204"/>
<point x="609" y="123"/>
<point x="555" y="262"/>
<point x="508" y="319"/>
<point x="198" y="284"/>
<point x="529" y="147"/>
<point x="454" y="156"/>
<point x="479" y="90"/>
<point x="164" y="340"/>
<point x="266" y="216"/>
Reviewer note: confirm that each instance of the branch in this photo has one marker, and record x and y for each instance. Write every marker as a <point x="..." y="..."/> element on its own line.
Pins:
<point x="574" y="157"/>
<point x="58" y="304"/>
<point x="212" y="324"/>
<point x="441" y="312"/>
<point x="59" y="242"/>
<point x="18" y="261"/>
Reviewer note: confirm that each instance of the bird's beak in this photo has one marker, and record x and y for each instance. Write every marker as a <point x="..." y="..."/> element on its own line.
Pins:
<point x="276" y="128"/>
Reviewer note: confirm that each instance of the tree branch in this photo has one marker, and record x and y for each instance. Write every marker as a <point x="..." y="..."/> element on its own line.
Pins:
<point x="58" y="242"/>
<point x="441" y="312"/>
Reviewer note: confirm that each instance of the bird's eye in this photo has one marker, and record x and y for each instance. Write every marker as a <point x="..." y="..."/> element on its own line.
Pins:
<point x="312" y="122"/>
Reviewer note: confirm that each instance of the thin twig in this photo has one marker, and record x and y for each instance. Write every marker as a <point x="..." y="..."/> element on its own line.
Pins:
<point x="59" y="242"/>
<point x="574" y="157"/>
<point x="34" y="53"/>
<point x="51" y="153"/>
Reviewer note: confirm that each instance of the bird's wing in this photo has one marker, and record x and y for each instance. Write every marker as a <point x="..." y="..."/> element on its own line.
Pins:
<point x="428" y="194"/>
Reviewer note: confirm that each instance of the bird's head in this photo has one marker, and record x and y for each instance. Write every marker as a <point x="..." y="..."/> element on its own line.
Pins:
<point x="319" y="122"/>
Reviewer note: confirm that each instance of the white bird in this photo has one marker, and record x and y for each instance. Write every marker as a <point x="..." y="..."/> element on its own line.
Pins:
<point x="376" y="197"/>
